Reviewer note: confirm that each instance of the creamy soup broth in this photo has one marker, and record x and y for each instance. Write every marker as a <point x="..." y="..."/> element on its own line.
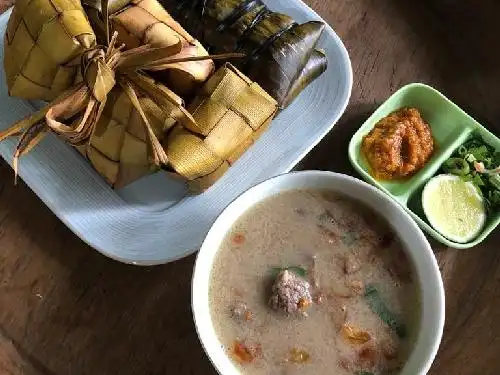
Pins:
<point x="364" y="301"/>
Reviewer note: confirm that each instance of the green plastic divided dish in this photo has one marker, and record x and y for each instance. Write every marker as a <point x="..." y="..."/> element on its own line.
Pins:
<point x="451" y="127"/>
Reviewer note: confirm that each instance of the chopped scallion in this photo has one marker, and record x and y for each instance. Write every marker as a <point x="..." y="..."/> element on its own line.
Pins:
<point x="456" y="166"/>
<point x="464" y="162"/>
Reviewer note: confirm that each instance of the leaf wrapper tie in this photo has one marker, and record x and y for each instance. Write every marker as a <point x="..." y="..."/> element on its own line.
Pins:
<point x="74" y="114"/>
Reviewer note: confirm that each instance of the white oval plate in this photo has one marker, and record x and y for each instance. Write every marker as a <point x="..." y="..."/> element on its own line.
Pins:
<point x="152" y="221"/>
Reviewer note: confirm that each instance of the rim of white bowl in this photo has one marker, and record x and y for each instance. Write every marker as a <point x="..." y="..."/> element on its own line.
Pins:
<point x="416" y="246"/>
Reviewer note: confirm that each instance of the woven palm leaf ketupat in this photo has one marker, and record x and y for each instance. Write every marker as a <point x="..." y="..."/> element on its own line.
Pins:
<point x="282" y="55"/>
<point x="229" y="113"/>
<point x="119" y="148"/>
<point x="143" y="22"/>
<point x="113" y="113"/>
<point x="43" y="43"/>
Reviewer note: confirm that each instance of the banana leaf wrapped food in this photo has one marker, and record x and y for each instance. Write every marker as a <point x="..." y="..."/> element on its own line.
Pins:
<point x="146" y="22"/>
<point x="230" y="113"/>
<point x="281" y="54"/>
<point x="43" y="42"/>
<point x="127" y="124"/>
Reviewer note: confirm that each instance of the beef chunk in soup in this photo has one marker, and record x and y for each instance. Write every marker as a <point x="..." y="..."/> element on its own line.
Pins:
<point x="290" y="293"/>
<point x="352" y="264"/>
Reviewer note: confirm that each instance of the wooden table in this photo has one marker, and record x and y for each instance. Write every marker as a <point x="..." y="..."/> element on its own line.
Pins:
<point x="65" y="309"/>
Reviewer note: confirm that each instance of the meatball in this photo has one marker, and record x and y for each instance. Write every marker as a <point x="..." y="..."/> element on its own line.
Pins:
<point x="290" y="293"/>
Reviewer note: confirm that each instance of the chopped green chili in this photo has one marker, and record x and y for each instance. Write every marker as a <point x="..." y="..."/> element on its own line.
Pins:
<point x="494" y="180"/>
<point x="462" y="151"/>
<point x="463" y="163"/>
<point x="456" y="166"/>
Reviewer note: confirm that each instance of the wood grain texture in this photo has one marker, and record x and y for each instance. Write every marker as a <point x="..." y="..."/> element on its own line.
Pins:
<point x="65" y="309"/>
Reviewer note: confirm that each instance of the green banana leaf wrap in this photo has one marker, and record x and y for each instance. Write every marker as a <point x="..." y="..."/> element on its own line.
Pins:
<point x="282" y="55"/>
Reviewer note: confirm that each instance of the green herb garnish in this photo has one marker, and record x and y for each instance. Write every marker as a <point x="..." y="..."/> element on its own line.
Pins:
<point x="349" y="238"/>
<point x="463" y="163"/>
<point x="299" y="271"/>
<point x="479" y="152"/>
<point x="456" y="166"/>
<point x="364" y="373"/>
<point x="494" y="180"/>
<point x="378" y="306"/>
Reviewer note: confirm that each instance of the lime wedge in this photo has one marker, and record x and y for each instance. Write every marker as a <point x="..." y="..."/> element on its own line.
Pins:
<point x="454" y="208"/>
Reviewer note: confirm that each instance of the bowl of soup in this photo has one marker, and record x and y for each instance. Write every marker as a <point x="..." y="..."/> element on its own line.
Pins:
<point x="317" y="272"/>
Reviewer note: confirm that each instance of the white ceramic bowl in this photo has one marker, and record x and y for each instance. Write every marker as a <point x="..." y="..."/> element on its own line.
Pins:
<point x="418" y="250"/>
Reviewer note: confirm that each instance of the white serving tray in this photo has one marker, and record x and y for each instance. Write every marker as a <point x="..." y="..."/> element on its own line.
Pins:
<point x="152" y="221"/>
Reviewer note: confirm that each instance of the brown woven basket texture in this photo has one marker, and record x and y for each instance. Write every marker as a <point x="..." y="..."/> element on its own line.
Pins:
<point x="119" y="149"/>
<point x="231" y="112"/>
<point x="43" y="41"/>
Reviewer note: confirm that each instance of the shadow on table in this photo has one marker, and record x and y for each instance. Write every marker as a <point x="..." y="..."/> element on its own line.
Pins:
<point x="467" y="36"/>
<point x="327" y="155"/>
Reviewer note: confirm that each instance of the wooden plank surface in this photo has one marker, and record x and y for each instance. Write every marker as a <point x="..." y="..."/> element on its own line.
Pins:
<point x="64" y="309"/>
